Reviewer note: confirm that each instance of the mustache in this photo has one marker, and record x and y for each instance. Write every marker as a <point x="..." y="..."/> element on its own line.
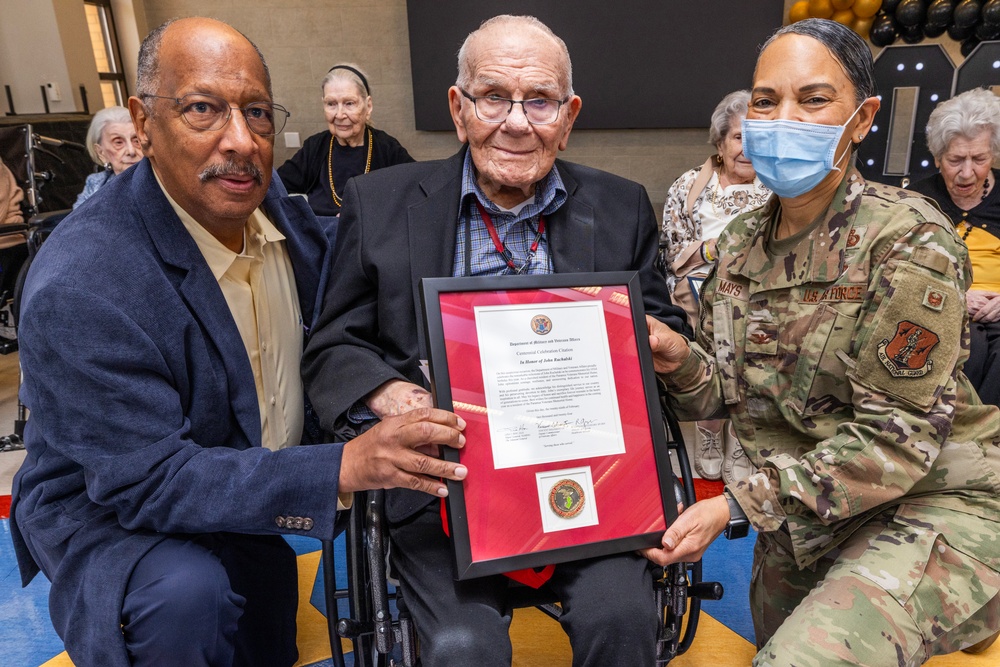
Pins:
<point x="233" y="168"/>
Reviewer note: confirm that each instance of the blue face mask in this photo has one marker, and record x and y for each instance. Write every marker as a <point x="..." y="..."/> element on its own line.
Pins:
<point x="792" y="157"/>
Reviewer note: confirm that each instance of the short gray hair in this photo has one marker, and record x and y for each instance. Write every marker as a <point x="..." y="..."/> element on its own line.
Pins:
<point x="966" y="115"/>
<point x="347" y="75"/>
<point x="732" y="107"/>
<point x="147" y="80"/>
<point x="148" y="68"/>
<point x="99" y="122"/>
<point x="844" y="45"/>
<point x="464" y="79"/>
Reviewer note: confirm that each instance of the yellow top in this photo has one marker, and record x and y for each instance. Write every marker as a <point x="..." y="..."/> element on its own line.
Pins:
<point x="984" y="252"/>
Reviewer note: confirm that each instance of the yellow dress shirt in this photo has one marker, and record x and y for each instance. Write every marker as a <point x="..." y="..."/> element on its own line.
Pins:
<point x="259" y="287"/>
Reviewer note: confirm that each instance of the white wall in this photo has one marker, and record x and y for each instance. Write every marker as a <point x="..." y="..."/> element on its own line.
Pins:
<point x="80" y="63"/>
<point x="31" y="54"/>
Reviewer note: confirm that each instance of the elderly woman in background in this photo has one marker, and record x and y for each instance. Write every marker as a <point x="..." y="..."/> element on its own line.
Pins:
<point x="836" y="344"/>
<point x="112" y="144"/>
<point x="963" y="135"/>
<point x="349" y="147"/>
<point x="699" y="206"/>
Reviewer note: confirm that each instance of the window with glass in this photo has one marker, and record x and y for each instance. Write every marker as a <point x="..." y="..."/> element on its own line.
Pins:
<point x="104" y="40"/>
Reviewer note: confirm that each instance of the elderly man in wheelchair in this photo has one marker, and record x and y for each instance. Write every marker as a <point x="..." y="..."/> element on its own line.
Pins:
<point x="502" y="205"/>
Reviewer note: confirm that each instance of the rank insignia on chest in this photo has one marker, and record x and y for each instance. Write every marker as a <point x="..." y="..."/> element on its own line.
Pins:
<point x="933" y="299"/>
<point x="907" y="354"/>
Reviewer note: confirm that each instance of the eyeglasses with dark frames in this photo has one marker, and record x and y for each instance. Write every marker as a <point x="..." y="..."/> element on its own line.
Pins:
<point x="495" y="109"/>
<point x="210" y="112"/>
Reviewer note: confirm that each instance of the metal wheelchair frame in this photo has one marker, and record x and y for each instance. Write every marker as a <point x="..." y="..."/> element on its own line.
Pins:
<point x="375" y="633"/>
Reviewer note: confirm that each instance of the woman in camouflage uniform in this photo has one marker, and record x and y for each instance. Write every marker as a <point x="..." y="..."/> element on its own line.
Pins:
<point x="836" y="341"/>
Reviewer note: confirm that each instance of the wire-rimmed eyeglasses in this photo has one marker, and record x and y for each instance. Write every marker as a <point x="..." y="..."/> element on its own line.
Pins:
<point x="495" y="109"/>
<point x="210" y="112"/>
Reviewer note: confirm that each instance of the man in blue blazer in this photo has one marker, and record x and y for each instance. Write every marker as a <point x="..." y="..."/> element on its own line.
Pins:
<point x="503" y="204"/>
<point x="161" y="333"/>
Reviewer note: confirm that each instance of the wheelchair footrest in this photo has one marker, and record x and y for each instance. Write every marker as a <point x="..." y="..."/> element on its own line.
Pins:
<point x="8" y="345"/>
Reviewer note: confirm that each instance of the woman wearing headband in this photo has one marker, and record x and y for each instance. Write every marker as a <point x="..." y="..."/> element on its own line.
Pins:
<point x="350" y="147"/>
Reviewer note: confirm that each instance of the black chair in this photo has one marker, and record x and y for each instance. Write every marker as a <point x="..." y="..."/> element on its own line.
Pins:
<point x="375" y="630"/>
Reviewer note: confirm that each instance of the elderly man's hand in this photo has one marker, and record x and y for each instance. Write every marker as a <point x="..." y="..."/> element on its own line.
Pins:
<point x="983" y="306"/>
<point x="670" y="349"/>
<point x="688" y="538"/>
<point x="397" y="397"/>
<point x="393" y="453"/>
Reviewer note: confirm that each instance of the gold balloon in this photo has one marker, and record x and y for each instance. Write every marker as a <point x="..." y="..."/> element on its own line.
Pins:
<point x="820" y="9"/>
<point x="844" y="16"/>
<point x="866" y="8"/>
<point x="798" y="11"/>
<point x="863" y="26"/>
<point x="842" y="4"/>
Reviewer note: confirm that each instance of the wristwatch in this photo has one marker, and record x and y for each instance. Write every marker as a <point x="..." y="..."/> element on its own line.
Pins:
<point x="739" y="525"/>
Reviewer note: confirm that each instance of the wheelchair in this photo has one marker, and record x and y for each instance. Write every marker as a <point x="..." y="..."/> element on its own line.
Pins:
<point x="383" y="638"/>
<point x="38" y="228"/>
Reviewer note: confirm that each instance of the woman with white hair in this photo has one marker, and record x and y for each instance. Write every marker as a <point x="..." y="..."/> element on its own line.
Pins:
<point x="699" y="206"/>
<point x="349" y="147"/>
<point x="963" y="135"/>
<point x="112" y="144"/>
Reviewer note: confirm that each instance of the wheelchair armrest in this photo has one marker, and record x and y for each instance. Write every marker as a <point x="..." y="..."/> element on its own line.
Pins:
<point x="48" y="218"/>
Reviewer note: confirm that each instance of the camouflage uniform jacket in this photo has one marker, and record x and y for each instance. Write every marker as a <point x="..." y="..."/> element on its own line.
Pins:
<point x="837" y="354"/>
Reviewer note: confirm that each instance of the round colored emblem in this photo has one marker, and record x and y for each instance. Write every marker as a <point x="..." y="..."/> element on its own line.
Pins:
<point x="566" y="498"/>
<point x="541" y="325"/>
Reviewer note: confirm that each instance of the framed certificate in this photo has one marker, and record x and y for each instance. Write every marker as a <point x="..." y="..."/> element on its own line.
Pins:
<point x="565" y="446"/>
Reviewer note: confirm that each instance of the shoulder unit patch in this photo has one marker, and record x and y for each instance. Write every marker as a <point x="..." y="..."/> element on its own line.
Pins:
<point x="907" y="355"/>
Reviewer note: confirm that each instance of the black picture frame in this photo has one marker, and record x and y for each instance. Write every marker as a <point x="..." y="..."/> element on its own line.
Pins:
<point x="459" y="509"/>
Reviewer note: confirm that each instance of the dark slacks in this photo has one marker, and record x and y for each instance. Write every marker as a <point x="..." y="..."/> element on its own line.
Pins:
<point x="608" y="606"/>
<point x="213" y="600"/>
<point x="983" y="366"/>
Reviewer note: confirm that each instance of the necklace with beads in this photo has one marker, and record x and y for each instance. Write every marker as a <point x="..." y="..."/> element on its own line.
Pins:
<point x="329" y="163"/>
<point x="968" y="224"/>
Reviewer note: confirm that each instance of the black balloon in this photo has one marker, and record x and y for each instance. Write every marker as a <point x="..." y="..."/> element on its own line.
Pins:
<point x="883" y="30"/>
<point x="958" y="34"/>
<point x="933" y="30"/>
<point x="911" y="34"/>
<point x="968" y="45"/>
<point x="966" y="13"/>
<point x="910" y="13"/>
<point x="991" y="12"/>
<point x="987" y="31"/>
<point x="940" y="12"/>
<point x="889" y="6"/>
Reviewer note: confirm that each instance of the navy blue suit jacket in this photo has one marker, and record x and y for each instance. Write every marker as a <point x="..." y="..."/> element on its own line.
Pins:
<point x="144" y="417"/>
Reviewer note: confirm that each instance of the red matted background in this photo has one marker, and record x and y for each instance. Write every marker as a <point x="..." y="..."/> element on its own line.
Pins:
<point x="502" y="505"/>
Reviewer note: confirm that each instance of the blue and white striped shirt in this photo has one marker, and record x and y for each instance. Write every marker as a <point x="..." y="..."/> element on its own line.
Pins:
<point x="516" y="229"/>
